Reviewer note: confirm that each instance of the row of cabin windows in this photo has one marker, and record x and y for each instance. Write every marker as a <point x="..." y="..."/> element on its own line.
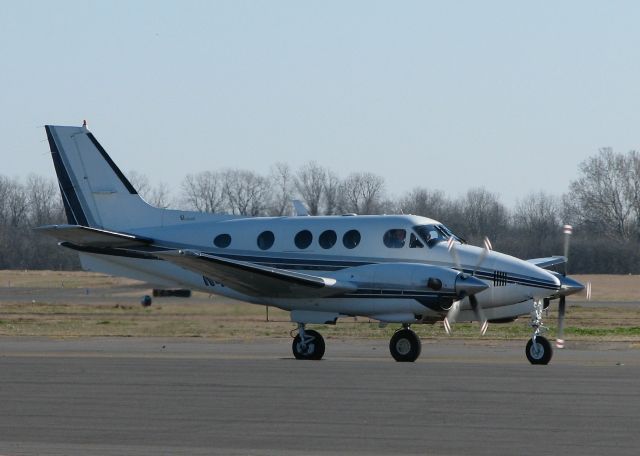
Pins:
<point x="393" y="239"/>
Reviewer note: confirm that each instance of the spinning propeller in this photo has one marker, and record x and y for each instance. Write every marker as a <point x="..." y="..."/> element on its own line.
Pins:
<point x="567" y="286"/>
<point x="568" y="231"/>
<point x="466" y="292"/>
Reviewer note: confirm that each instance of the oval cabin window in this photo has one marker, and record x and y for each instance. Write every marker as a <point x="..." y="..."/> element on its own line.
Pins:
<point x="303" y="239"/>
<point x="222" y="240"/>
<point x="351" y="239"/>
<point x="265" y="240"/>
<point x="327" y="239"/>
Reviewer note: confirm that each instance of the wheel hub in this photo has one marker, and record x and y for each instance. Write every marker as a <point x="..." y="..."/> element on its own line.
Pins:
<point x="306" y="348"/>
<point x="536" y="350"/>
<point x="403" y="346"/>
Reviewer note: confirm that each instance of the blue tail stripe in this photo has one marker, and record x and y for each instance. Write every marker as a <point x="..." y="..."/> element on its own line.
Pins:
<point x="72" y="206"/>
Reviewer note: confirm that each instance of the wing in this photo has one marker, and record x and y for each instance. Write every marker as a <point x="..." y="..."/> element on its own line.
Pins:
<point x="256" y="280"/>
<point x="545" y="263"/>
<point x="85" y="236"/>
<point x="244" y="277"/>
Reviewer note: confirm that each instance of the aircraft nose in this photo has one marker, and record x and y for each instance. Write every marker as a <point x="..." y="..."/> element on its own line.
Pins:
<point x="569" y="286"/>
<point x="468" y="285"/>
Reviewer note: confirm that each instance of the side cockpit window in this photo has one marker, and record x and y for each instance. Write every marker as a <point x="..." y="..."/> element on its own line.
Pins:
<point x="395" y="238"/>
<point x="414" y="242"/>
<point x="432" y="234"/>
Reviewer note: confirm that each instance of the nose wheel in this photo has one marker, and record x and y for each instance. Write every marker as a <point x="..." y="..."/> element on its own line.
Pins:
<point x="539" y="350"/>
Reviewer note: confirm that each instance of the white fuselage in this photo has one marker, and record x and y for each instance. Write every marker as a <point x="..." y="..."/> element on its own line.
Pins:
<point x="331" y="253"/>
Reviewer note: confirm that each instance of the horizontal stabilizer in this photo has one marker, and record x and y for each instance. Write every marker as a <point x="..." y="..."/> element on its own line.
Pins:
<point x="547" y="262"/>
<point x="256" y="280"/>
<point x="301" y="209"/>
<point x="93" y="237"/>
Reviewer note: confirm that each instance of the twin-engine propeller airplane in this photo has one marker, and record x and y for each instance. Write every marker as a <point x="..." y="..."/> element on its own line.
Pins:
<point x="401" y="269"/>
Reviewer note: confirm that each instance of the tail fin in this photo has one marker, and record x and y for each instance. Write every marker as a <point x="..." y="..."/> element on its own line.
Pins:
<point x="94" y="190"/>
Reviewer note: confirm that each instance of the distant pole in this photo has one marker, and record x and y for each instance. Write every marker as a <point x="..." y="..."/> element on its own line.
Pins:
<point x="267" y="308"/>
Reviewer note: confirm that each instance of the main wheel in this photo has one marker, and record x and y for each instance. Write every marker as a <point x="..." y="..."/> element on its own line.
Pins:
<point x="314" y="348"/>
<point x="405" y="346"/>
<point x="540" y="352"/>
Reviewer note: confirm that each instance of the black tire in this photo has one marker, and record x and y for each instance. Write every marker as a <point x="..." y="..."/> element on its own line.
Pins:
<point x="405" y="346"/>
<point x="314" y="349"/>
<point x="541" y="353"/>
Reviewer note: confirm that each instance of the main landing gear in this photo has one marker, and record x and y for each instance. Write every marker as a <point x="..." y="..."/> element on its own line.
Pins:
<point x="538" y="349"/>
<point x="308" y="344"/>
<point x="404" y="346"/>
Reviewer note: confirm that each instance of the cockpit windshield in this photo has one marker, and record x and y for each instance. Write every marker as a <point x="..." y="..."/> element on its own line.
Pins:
<point x="432" y="234"/>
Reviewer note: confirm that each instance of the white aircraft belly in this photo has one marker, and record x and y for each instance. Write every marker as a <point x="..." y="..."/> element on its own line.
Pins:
<point x="355" y="306"/>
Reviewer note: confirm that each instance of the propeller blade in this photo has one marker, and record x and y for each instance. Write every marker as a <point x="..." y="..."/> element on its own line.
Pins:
<point x="588" y="291"/>
<point x="454" y="310"/>
<point x="477" y="310"/>
<point x="451" y="246"/>
<point x="568" y="231"/>
<point x="483" y="255"/>
<point x="561" y="312"/>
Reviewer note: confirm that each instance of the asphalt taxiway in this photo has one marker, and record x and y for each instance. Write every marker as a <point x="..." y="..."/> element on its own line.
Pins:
<point x="134" y="396"/>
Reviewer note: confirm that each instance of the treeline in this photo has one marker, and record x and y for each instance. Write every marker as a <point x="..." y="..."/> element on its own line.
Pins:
<point x="603" y="205"/>
<point x="24" y="206"/>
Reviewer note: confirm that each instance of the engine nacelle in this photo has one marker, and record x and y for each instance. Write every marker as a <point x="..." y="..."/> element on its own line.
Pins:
<point x="401" y="276"/>
<point x="434" y="287"/>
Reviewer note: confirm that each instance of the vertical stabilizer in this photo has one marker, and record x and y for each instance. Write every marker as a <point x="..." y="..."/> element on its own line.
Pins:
<point x="94" y="190"/>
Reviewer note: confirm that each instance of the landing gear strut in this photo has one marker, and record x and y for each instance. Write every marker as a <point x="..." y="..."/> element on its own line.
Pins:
<point x="538" y="349"/>
<point x="308" y="344"/>
<point x="405" y="345"/>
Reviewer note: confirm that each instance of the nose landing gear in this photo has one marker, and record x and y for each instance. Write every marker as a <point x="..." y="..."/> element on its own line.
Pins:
<point x="538" y="348"/>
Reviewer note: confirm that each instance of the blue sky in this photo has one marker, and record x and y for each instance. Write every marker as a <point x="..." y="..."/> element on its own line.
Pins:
<point x="507" y="95"/>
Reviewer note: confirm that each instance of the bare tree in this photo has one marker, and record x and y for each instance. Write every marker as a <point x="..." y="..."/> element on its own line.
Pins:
<point x="536" y="230"/>
<point x="205" y="191"/>
<point x="14" y="204"/>
<point x="22" y="207"/>
<point x="537" y="216"/>
<point x="428" y="203"/>
<point x="282" y="182"/>
<point x="482" y="215"/>
<point x="311" y="181"/>
<point x="331" y="193"/>
<point x="6" y="187"/>
<point x="362" y="193"/>
<point x="605" y="197"/>
<point x="158" y="195"/>
<point x="140" y="182"/>
<point x="246" y="192"/>
<point x="43" y="200"/>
